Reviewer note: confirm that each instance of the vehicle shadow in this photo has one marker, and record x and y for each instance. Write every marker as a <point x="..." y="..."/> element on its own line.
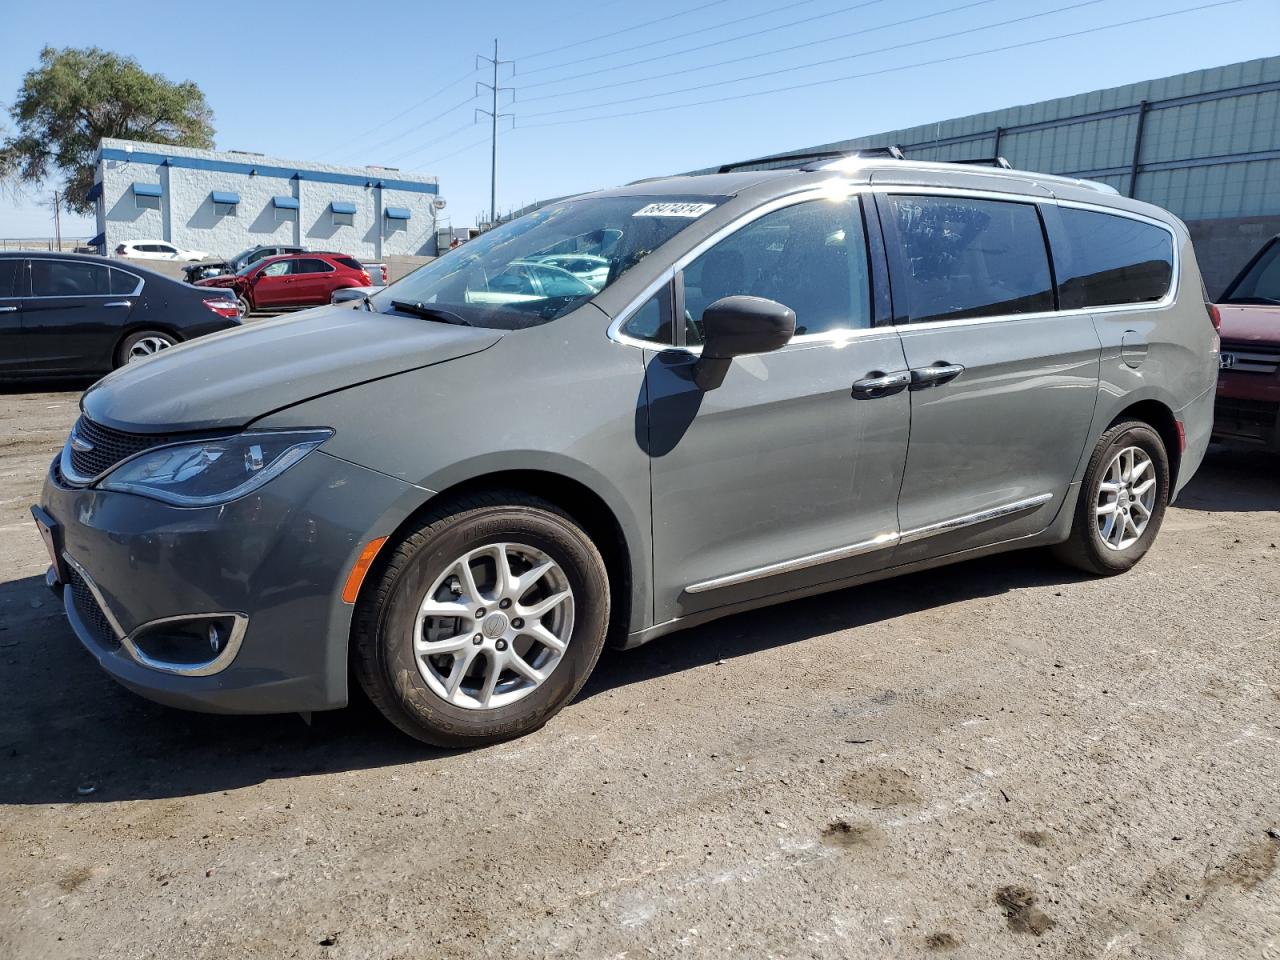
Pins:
<point x="1234" y="480"/>
<point x="58" y="385"/>
<point x="67" y="727"/>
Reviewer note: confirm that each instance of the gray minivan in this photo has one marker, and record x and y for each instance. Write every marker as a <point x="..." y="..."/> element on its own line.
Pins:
<point x="790" y="381"/>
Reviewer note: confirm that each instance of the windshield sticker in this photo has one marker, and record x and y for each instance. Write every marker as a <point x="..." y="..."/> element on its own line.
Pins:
<point x="689" y="210"/>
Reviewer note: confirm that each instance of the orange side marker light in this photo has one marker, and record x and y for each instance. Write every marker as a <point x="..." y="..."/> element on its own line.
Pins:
<point x="361" y="567"/>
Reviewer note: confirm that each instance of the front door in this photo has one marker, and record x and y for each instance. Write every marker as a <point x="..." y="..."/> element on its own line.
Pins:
<point x="1003" y="385"/>
<point x="784" y="474"/>
<point x="272" y="286"/>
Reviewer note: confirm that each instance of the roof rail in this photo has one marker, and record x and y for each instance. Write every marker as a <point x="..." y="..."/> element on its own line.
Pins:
<point x="807" y="159"/>
<point x="999" y="162"/>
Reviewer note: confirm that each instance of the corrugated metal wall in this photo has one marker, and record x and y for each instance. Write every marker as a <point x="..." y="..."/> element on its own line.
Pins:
<point x="1210" y="139"/>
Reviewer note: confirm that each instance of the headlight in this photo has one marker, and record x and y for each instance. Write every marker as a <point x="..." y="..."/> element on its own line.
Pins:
<point x="210" y="472"/>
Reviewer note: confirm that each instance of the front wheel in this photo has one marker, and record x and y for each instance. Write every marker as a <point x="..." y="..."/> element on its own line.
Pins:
<point x="1122" y="500"/>
<point x="485" y="622"/>
<point x="245" y="307"/>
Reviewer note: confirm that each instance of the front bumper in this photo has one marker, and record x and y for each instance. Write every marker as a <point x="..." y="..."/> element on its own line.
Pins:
<point x="1247" y="409"/>
<point x="277" y="558"/>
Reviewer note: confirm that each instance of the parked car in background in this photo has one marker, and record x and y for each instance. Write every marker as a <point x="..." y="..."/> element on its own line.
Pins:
<point x="157" y="250"/>
<point x="64" y="314"/>
<point x="592" y="270"/>
<point x="1248" y="399"/>
<point x="377" y="273"/>
<point x="215" y="268"/>
<point x="291" y="282"/>
<point x="457" y="509"/>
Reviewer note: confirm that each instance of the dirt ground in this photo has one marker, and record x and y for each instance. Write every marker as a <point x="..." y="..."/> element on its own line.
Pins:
<point x="997" y="759"/>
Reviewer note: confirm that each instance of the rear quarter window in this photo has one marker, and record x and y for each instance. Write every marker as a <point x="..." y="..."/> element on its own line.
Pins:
<point x="1108" y="260"/>
<point x="349" y="262"/>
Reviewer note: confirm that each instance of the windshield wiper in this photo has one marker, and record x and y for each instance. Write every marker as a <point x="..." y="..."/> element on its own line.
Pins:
<point x="429" y="312"/>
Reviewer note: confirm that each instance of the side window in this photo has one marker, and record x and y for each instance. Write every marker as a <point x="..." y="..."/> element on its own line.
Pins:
<point x="1112" y="260"/>
<point x="311" y="265"/>
<point x="122" y="282"/>
<point x="278" y="269"/>
<point x="653" y="320"/>
<point x="9" y="276"/>
<point x="962" y="258"/>
<point x="69" y="278"/>
<point x="811" y="257"/>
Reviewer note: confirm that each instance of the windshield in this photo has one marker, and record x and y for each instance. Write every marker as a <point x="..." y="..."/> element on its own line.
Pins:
<point x="247" y="267"/>
<point x="1261" y="283"/>
<point x="548" y="262"/>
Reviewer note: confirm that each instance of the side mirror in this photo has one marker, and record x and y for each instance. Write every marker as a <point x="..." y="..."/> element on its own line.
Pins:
<point x="733" y="326"/>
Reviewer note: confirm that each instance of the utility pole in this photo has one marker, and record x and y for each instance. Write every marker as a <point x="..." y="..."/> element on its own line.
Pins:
<point x="57" y="221"/>
<point x="493" y="116"/>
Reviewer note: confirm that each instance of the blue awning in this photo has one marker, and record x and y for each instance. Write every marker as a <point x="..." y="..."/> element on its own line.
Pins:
<point x="397" y="213"/>
<point x="285" y="203"/>
<point x="94" y="192"/>
<point x="146" y="189"/>
<point x="97" y="241"/>
<point x="341" y="206"/>
<point x="225" y="196"/>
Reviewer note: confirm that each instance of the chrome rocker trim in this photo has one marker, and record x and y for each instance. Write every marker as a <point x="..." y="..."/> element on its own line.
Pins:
<point x="880" y="542"/>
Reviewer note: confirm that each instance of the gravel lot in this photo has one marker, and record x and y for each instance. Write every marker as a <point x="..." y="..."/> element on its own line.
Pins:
<point x="998" y="759"/>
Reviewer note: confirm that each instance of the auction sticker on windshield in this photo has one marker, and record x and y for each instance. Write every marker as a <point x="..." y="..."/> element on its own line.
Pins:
<point x="690" y="210"/>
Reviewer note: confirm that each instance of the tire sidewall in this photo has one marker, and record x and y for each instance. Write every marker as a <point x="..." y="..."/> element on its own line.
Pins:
<point x="126" y="345"/>
<point x="1124" y="435"/>
<point x="584" y="571"/>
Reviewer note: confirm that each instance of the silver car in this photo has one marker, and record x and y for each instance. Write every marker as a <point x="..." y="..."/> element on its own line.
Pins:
<point x="789" y="382"/>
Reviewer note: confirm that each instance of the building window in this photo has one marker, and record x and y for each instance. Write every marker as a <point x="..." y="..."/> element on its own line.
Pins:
<point x="225" y="203"/>
<point x="344" y="214"/>
<point x="286" y="209"/>
<point x="146" y="196"/>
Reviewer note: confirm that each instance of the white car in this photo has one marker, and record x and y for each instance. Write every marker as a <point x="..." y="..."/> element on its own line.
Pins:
<point x="157" y="250"/>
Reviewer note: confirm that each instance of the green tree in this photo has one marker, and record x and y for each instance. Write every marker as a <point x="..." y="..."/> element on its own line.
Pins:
<point x="75" y="97"/>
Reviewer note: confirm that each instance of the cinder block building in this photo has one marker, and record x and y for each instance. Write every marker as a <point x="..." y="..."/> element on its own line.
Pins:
<point x="222" y="202"/>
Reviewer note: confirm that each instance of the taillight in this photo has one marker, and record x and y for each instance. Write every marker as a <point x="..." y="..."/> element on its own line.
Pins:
<point x="223" y="307"/>
<point x="1215" y="315"/>
<point x="383" y="268"/>
<point x="120" y="250"/>
<point x="364" y="275"/>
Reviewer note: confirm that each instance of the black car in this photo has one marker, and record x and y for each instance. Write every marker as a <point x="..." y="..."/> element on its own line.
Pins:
<point x="216" y="268"/>
<point x="65" y="314"/>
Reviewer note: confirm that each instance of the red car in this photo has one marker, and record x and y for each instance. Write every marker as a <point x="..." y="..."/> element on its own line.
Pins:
<point x="1248" y="401"/>
<point x="292" y="281"/>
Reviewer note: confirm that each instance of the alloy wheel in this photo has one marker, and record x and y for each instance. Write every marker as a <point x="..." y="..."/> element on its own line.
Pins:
<point x="147" y="346"/>
<point x="493" y="626"/>
<point x="1126" y="498"/>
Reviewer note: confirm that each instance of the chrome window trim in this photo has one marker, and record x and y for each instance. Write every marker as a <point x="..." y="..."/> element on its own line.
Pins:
<point x="880" y="542"/>
<point x="841" y="189"/>
<point x="240" y="624"/>
<point x="69" y="296"/>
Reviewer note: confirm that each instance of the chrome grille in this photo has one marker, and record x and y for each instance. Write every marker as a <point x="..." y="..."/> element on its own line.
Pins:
<point x="1252" y="357"/>
<point x="107" y="447"/>
<point x="90" y="614"/>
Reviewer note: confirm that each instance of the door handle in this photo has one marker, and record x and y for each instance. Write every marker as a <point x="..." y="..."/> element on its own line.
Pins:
<point x="881" y="382"/>
<point x="8" y="309"/>
<point x="937" y="373"/>
<point x="119" y="303"/>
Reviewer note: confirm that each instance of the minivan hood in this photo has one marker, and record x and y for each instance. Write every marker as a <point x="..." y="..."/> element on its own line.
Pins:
<point x="229" y="379"/>
<point x="1248" y="321"/>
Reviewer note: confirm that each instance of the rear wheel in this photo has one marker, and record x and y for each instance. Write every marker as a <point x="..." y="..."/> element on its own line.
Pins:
<point x="142" y="344"/>
<point x="1122" y="500"/>
<point x="485" y="622"/>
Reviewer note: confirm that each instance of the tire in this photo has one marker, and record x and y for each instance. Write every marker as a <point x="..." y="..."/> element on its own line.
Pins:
<point x="245" y="307"/>
<point x="1086" y="547"/>
<point x="387" y="621"/>
<point x="141" y="344"/>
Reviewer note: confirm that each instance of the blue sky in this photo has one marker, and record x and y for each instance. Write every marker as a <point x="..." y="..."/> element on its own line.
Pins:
<point x="391" y="83"/>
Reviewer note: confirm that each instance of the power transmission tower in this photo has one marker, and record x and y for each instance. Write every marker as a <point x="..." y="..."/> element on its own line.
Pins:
<point x="494" y="116"/>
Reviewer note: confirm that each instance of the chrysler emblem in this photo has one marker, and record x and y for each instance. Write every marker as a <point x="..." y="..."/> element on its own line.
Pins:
<point x="79" y="444"/>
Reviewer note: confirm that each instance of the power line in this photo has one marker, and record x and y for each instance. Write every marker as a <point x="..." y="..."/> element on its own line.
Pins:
<point x="688" y="33"/>
<point x="407" y="110"/>
<point x="425" y="123"/>
<point x="885" y="70"/>
<point x="741" y="36"/>
<point x="435" y="142"/>
<point x="817" y="63"/>
<point x="614" y="33"/>
<point x="797" y="46"/>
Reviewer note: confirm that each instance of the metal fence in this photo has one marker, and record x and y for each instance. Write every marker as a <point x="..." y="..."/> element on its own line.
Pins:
<point x="69" y="244"/>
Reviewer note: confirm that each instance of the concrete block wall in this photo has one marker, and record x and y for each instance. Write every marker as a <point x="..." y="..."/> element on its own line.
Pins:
<point x="189" y="218"/>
